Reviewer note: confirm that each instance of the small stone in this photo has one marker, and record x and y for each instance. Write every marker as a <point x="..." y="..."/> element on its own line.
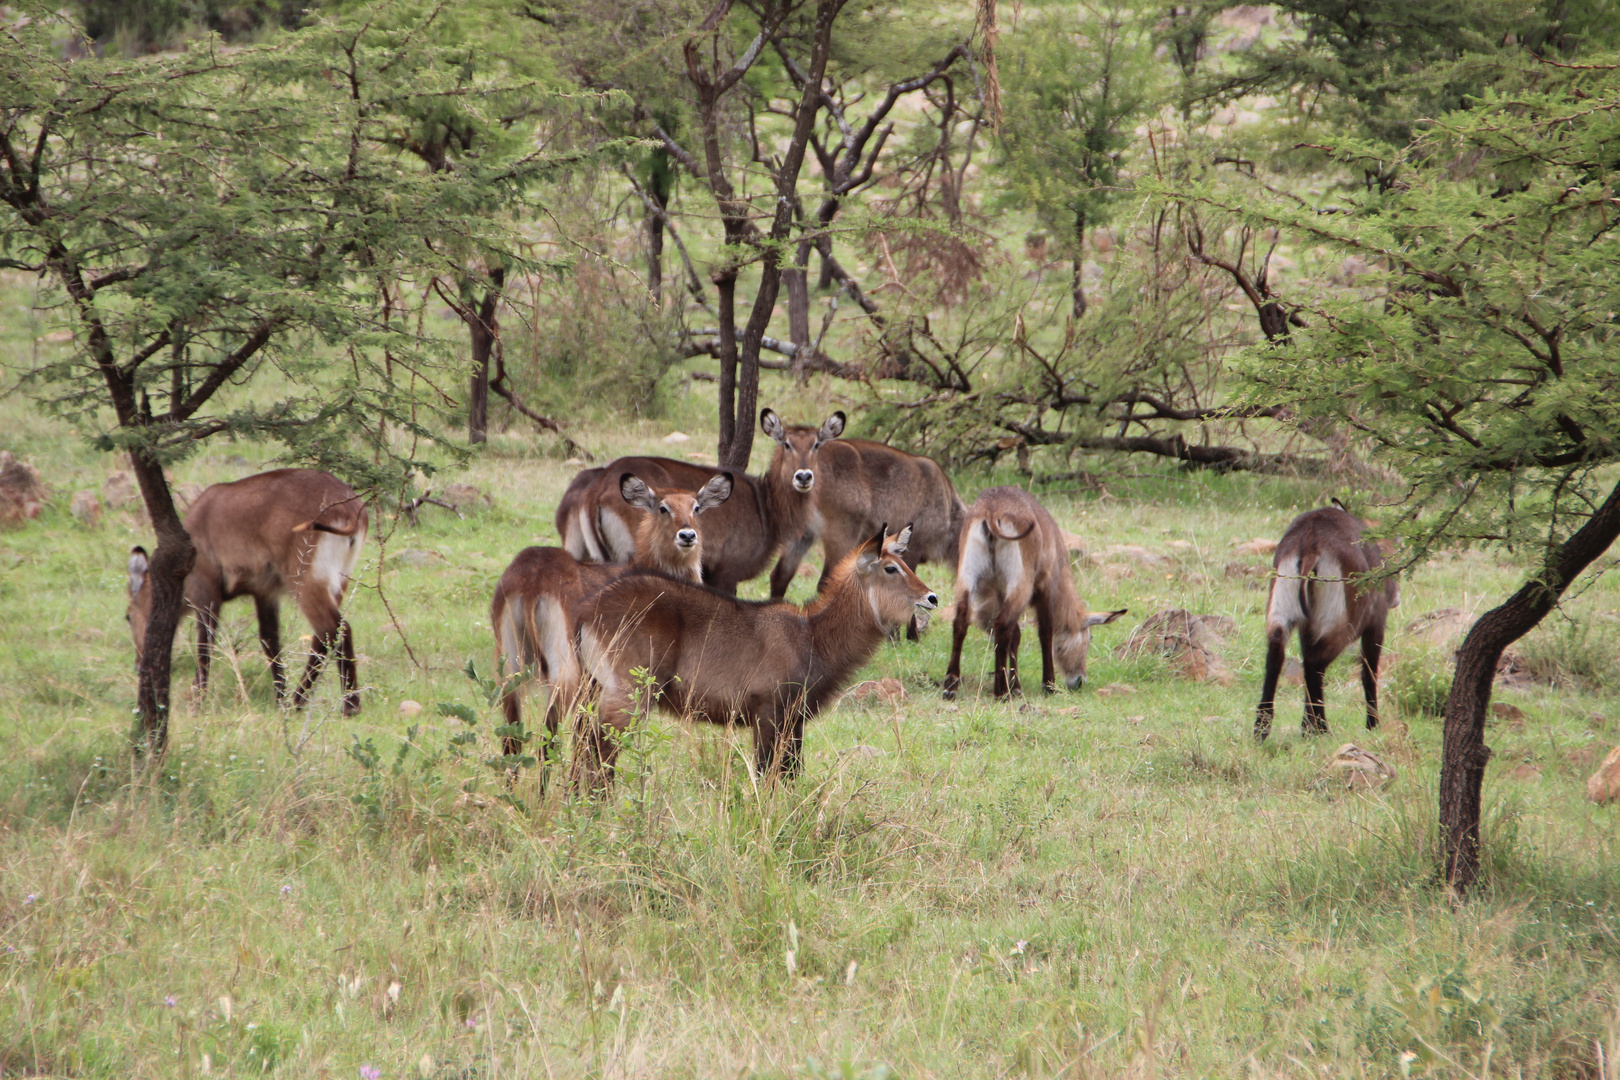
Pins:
<point x="699" y="456"/>
<point x="574" y="461"/>
<point x="677" y="437"/>
<point x="805" y="570"/>
<point x="1525" y="771"/>
<point x="119" y="490"/>
<point x="1604" y="785"/>
<point x="1362" y="769"/>
<point x="22" y="493"/>
<point x="1441" y="627"/>
<point x="1214" y="719"/>
<point x="409" y="707"/>
<point x="885" y="691"/>
<point x="416" y="557"/>
<point x="1237" y="569"/>
<point x="57" y="337"/>
<point x="861" y="750"/>
<point x="1258" y="546"/>
<point x="465" y="498"/>
<point x="1075" y="546"/>
<point x="86" y="508"/>
<point x="1503" y="711"/>
<point x="1116" y="689"/>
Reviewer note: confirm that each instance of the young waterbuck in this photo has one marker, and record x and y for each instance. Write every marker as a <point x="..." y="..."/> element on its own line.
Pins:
<point x="1013" y="558"/>
<point x="740" y="538"/>
<point x="537" y="598"/>
<point x="1316" y="589"/>
<point x="296" y="531"/>
<point x="766" y="664"/>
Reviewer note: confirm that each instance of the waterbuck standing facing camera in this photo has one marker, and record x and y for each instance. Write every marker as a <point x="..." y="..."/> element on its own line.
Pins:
<point x="1316" y="589"/>
<point x="295" y="531"/>
<point x="1013" y="558"/>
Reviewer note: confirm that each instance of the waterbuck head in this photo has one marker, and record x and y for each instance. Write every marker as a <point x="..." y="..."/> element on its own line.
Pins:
<point x="1071" y="643"/>
<point x="140" y="599"/>
<point x="667" y="536"/>
<point x="797" y="446"/>
<point x="892" y="587"/>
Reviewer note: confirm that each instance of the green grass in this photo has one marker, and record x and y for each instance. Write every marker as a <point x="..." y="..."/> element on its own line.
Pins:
<point x="1075" y="885"/>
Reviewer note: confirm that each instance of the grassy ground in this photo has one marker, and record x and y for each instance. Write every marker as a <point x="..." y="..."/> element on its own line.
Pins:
<point x="1075" y="885"/>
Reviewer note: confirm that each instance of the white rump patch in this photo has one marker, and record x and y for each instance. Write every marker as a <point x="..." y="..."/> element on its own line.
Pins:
<point x="1328" y="607"/>
<point x="618" y="539"/>
<point x="333" y="561"/>
<point x="1285" y="611"/>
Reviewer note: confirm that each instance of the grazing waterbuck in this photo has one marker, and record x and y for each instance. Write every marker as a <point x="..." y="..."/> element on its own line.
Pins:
<point x="1316" y="589"/>
<point x="296" y="531"/>
<point x="1013" y="558"/>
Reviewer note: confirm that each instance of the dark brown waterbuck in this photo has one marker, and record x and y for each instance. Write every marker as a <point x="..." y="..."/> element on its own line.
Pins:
<point x="536" y="600"/>
<point x="715" y="658"/>
<point x="860" y="484"/>
<point x="740" y="537"/>
<point x="288" y="531"/>
<point x="1317" y="589"/>
<point x="1013" y="558"/>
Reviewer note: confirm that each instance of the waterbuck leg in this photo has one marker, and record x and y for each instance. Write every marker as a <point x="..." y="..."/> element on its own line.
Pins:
<point x="207" y="628"/>
<point x="1007" y="636"/>
<point x="1043" y="626"/>
<point x="959" y="629"/>
<point x="349" y="670"/>
<point x="1372" y="647"/>
<point x="911" y="627"/>
<point x="788" y="565"/>
<point x="325" y="638"/>
<point x="1315" y="664"/>
<point x="269" y="611"/>
<point x="1276" y="648"/>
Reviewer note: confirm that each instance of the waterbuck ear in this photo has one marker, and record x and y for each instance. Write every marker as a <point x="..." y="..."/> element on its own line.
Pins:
<point x="715" y="492"/>
<point x="830" y="430"/>
<point x="138" y="565"/>
<point x="636" y="493"/>
<point x="897" y="545"/>
<point x="1097" y="618"/>
<point x="771" y="424"/>
<point x="872" y="549"/>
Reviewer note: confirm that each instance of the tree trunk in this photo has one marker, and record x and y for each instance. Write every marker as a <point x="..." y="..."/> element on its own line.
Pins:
<point x="1079" y="264"/>
<point x="170" y="563"/>
<point x="797" y="281"/>
<point x="1462" y="766"/>
<point x="658" y="185"/>
<point x="484" y="329"/>
<point x="726" y="286"/>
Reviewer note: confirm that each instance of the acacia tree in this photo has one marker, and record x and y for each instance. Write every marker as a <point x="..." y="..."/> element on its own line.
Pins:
<point x="1488" y="370"/>
<point x="222" y="230"/>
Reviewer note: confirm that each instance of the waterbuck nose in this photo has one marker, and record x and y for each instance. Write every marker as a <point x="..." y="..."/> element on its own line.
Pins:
<point x="686" y="537"/>
<point x="1075" y="681"/>
<point x="803" y="479"/>
<point x="930" y="602"/>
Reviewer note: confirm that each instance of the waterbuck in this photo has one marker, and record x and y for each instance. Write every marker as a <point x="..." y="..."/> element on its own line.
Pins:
<point x="535" y="601"/>
<point x="1316" y="589"/>
<point x="712" y="657"/>
<point x="740" y="538"/>
<point x="860" y="485"/>
<point x="296" y="531"/>
<point x="1012" y="558"/>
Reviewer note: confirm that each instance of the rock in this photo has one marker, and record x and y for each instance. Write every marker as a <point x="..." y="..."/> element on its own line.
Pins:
<point x="22" y="493"/>
<point x="1238" y="569"/>
<point x="57" y="337"/>
<point x="699" y="456"/>
<point x="861" y="750"/>
<point x="1189" y="641"/>
<point x="1525" y="771"/>
<point x="1439" y="627"/>
<point x="1258" y="546"/>
<point x="1117" y="689"/>
<point x="877" y="692"/>
<point x="1179" y="545"/>
<point x="1248" y="16"/>
<point x="574" y="461"/>
<point x="1512" y="671"/>
<point x="1293" y="672"/>
<point x="677" y="437"/>
<point x="1361" y="769"/>
<point x="119" y="490"/>
<point x="86" y="508"/>
<point x="465" y="498"/>
<point x="1135" y="553"/>
<point x="1604" y="785"/>
<point x="1353" y="267"/>
<point x="805" y="570"/>
<point x="1503" y="711"/>
<point x="1214" y="719"/>
<point x="1073" y="544"/>
<point x="409" y="707"/>
<point x="237" y="460"/>
<point x="415" y="557"/>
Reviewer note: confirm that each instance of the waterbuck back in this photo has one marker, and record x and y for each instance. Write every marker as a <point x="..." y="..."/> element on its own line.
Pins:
<point x="1317" y="589"/>
<point x="1013" y="558"/>
<point x="712" y="657"/>
<point x="288" y="531"/>
<point x="536" y="601"/>
<point x="740" y="538"/>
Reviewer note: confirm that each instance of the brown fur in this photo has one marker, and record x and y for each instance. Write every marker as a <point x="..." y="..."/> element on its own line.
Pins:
<point x="740" y="538"/>
<point x="533" y="611"/>
<point x="1012" y="557"/>
<point x="1314" y="589"/>
<point x="719" y="659"/>
<point x="859" y="485"/>
<point x="295" y="531"/>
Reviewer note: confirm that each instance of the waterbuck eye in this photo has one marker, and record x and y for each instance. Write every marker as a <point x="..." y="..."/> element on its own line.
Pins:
<point x="891" y="569"/>
<point x="662" y="509"/>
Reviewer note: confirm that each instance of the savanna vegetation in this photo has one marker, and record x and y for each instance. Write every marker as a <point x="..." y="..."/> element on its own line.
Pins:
<point x="1182" y="271"/>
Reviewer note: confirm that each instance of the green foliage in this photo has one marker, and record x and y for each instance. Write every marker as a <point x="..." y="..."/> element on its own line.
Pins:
<point x="1422" y="682"/>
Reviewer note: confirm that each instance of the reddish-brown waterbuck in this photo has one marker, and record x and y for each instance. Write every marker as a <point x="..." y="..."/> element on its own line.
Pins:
<point x="712" y="657"/>
<point x="296" y="531"/>
<point x="1316" y="589"/>
<point x="536" y="599"/>
<point x="1013" y="558"/>
<point x="740" y="538"/>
